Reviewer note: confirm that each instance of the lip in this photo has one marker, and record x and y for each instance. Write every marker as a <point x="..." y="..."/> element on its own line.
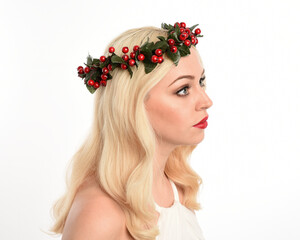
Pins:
<point x="202" y="121"/>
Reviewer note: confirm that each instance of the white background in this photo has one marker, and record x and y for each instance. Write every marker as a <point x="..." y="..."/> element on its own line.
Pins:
<point x="249" y="158"/>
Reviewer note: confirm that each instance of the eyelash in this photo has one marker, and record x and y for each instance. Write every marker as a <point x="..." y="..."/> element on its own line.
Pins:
<point x="188" y="86"/>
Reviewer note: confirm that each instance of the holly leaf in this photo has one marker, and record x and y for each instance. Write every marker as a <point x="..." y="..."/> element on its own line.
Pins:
<point x="192" y="27"/>
<point x="149" y="66"/>
<point x="130" y="71"/>
<point x="90" y="88"/>
<point x="161" y="38"/>
<point x="174" y="36"/>
<point x="89" y="60"/>
<point x="177" y="30"/>
<point x="184" y="50"/>
<point x="161" y="44"/>
<point x="117" y="59"/>
<point x="105" y="63"/>
<point x="114" y="65"/>
<point x="175" y="57"/>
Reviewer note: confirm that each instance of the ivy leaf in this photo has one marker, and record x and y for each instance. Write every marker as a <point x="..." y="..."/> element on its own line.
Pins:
<point x="184" y="50"/>
<point x="192" y="27"/>
<point x="175" y="57"/>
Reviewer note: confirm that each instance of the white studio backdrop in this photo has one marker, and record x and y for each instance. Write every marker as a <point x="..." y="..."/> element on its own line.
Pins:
<point x="249" y="158"/>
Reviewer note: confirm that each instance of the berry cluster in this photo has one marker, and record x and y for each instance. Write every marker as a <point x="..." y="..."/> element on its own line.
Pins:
<point x="179" y="40"/>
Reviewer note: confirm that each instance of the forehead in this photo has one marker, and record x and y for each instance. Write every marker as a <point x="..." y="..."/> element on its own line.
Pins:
<point x="188" y="65"/>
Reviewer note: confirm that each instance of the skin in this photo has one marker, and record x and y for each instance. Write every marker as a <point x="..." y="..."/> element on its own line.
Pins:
<point x="173" y="116"/>
<point x="94" y="215"/>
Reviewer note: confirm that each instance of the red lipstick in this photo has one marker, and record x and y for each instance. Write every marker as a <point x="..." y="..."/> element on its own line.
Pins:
<point x="202" y="124"/>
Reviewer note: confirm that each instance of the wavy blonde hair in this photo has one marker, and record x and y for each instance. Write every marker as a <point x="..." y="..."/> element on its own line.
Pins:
<point x="119" y="149"/>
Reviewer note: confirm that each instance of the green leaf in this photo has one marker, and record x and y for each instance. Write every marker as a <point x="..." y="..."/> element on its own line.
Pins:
<point x="145" y="44"/>
<point x="184" y="50"/>
<point x="161" y="38"/>
<point x="96" y="61"/>
<point x="174" y="36"/>
<point x="117" y="59"/>
<point x="114" y="65"/>
<point x="175" y="57"/>
<point x="89" y="60"/>
<point x="105" y="63"/>
<point x="163" y="45"/>
<point x="149" y="66"/>
<point x="177" y="30"/>
<point x="90" y="88"/>
<point x="130" y="71"/>
<point x="166" y="26"/>
<point x="192" y="27"/>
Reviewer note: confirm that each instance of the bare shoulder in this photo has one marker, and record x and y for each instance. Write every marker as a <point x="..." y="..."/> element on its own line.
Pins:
<point x="93" y="215"/>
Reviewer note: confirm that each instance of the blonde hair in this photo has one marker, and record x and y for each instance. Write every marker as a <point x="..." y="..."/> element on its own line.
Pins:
<point x="120" y="122"/>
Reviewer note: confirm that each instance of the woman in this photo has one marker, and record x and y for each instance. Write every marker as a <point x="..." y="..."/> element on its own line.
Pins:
<point x="131" y="178"/>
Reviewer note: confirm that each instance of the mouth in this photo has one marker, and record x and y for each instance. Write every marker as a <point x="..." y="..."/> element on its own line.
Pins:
<point x="202" y="121"/>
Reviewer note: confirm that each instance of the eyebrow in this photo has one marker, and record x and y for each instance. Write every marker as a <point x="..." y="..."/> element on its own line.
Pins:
<point x="191" y="77"/>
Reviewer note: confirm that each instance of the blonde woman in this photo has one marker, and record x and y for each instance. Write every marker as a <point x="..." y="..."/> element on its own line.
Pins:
<point x="131" y="178"/>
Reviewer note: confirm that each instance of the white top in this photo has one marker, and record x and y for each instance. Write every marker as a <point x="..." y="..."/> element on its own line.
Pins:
<point x="177" y="222"/>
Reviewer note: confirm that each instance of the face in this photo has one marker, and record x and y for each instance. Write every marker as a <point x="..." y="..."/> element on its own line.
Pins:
<point x="174" y="107"/>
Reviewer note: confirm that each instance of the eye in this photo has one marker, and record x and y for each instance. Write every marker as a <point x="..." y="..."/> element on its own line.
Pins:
<point x="188" y="86"/>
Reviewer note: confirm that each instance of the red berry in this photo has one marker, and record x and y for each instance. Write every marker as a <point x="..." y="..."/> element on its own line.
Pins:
<point x="154" y="58"/>
<point x="171" y="42"/>
<point x="193" y="41"/>
<point x="102" y="58"/>
<point x="196" y="41"/>
<point x="182" y="36"/>
<point x="177" y="23"/>
<point x="125" y="49"/>
<point x="103" y="83"/>
<point x="136" y="48"/>
<point x="182" y="24"/>
<point x="160" y="59"/>
<point x="91" y="82"/>
<point x="111" y="49"/>
<point x="123" y="66"/>
<point x="158" y="52"/>
<point x="141" y="57"/>
<point x="87" y="70"/>
<point x="109" y="66"/>
<point x="181" y="30"/>
<point x="125" y="57"/>
<point x="132" y="54"/>
<point x="187" y="42"/>
<point x="80" y="71"/>
<point x="197" y="31"/>
<point x="188" y="31"/>
<point x="105" y="70"/>
<point x="96" y="85"/>
<point x="131" y="62"/>
<point x="79" y="68"/>
<point x="103" y="76"/>
<point x="173" y="49"/>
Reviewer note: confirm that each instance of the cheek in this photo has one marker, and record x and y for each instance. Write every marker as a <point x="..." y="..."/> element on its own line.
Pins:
<point x="166" y="116"/>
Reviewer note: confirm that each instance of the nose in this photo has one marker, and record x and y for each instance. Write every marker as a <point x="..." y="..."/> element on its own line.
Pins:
<point x="203" y="100"/>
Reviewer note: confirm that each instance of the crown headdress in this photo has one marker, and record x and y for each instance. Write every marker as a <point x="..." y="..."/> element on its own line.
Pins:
<point x="177" y="44"/>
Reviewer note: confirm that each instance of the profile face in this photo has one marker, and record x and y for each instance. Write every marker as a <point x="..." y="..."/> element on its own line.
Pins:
<point x="174" y="108"/>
